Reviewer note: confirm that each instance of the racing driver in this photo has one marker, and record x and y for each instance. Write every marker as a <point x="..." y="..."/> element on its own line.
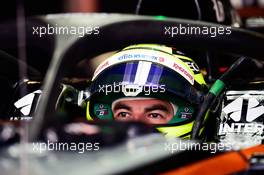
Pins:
<point x="149" y="83"/>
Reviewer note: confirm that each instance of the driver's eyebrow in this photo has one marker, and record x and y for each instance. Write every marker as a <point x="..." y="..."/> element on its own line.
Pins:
<point x="157" y="107"/>
<point x="120" y="105"/>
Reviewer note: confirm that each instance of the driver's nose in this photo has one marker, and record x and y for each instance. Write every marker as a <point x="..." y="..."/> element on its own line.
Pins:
<point x="139" y="117"/>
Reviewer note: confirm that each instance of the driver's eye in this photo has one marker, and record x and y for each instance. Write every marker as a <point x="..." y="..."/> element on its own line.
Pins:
<point x="123" y="114"/>
<point x="155" y="116"/>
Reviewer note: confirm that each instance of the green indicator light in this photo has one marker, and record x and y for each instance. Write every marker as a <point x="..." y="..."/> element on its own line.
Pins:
<point x="160" y="17"/>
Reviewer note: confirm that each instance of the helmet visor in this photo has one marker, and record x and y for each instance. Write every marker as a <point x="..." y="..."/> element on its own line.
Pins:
<point x="143" y="79"/>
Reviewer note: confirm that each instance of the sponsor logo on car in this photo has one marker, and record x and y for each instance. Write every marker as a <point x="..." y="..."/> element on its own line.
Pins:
<point x="243" y="115"/>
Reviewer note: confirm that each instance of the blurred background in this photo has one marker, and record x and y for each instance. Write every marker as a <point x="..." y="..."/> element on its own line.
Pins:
<point x="240" y="13"/>
<point x="245" y="8"/>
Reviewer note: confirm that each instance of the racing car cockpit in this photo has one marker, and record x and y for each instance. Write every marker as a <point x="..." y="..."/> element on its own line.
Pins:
<point x="53" y="112"/>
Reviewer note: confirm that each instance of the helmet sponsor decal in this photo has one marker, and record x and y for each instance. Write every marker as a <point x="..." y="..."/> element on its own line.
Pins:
<point x="103" y="111"/>
<point x="194" y="67"/>
<point x="164" y="59"/>
<point x="186" y="113"/>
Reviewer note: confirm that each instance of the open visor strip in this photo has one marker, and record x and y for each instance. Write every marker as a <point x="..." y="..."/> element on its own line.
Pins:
<point x="174" y="107"/>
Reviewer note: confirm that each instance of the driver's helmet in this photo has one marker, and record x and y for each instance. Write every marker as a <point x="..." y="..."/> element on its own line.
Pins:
<point x="149" y="71"/>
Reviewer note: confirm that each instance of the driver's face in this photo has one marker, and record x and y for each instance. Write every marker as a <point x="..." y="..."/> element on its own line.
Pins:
<point x="151" y="111"/>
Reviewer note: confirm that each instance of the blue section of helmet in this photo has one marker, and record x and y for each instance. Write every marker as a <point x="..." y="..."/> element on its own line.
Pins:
<point x="155" y="74"/>
<point x="130" y="72"/>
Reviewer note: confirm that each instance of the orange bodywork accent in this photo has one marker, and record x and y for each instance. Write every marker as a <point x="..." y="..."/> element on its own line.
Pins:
<point x="227" y="163"/>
